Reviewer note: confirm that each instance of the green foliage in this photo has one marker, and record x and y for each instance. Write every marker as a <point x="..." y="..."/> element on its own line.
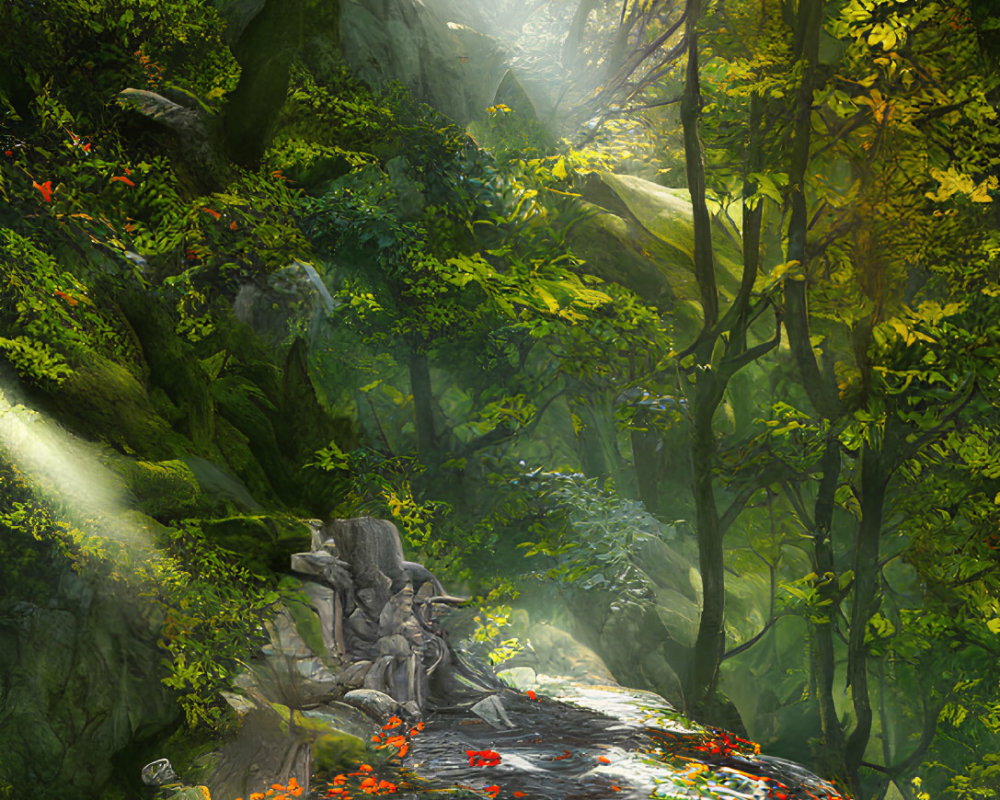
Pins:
<point x="82" y="54"/>
<point x="213" y="612"/>
<point x="491" y="623"/>
<point x="50" y="314"/>
<point x="210" y="610"/>
<point x="592" y="547"/>
<point x="383" y="486"/>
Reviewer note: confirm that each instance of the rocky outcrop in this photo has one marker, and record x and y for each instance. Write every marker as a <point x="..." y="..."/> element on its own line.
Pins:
<point x="354" y="641"/>
<point x="442" y="62"/>
<point x="79" y="683"/>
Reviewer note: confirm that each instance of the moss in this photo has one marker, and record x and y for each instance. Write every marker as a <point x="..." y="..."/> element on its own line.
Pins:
<point x="234" y="447"/>
<point x="105" y="401"/>
<point x="173" y="368"/>
<point x="303" y="426"/>
<point x="336" y="752"/>
<point x="162" y="489"/>
<point x="299" y="605"/>
<point x="263" y="543"/>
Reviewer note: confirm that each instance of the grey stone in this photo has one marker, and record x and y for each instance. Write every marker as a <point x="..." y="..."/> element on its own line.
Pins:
<point x="373" y="702"/>
<point x="322" y="598"/>
<point x="491" y="711"/>
<point x="344" y="717"/>
<point x="324" y="565"/>
<point x="353" y="675"/>
<point x="159" y="773"/>
<point x="522" y="678"/>
<point x="285" y="637"/>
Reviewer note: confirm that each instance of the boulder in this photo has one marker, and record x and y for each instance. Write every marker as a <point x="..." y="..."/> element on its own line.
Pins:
<point x="373" y="702"/>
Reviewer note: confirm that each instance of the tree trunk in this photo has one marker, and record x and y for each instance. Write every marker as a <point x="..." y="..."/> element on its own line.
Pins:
<point x="866" y="571"/>
<point x="570" y="56"/>
<point x="709" y="645"/>
<point x="423" y="407"/>
<point x="704" y="264"/>
<point x="823" y="632"/>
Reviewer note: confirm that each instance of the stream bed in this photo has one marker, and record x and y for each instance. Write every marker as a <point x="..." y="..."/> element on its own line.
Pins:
<point x="580" y="741"/>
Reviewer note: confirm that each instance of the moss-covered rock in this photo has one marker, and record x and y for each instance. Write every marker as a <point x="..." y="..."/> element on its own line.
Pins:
<point x="82" y="682"/>
<point x="300" y="607"/>
<point x="104" y="401"/>
<point x="262" y="543"/>
<point x="174" y="369"/>
<point x="162" y="489"/>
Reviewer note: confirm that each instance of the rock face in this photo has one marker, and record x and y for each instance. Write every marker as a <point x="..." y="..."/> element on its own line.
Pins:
<point x="80" y="682"/>
<point x="442" y="62"/>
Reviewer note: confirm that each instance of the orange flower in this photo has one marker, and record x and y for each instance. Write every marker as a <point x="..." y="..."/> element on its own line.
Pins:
<point x="566" y="754"/>
<point x="394" y="722"/>
<point x="604" y="759"/>
<point x="257" y="796"/>
<point x="232" y="225"/>
<point x="492" y="791"/>
<point x="45" y="189"/>
<point x="339" y="780"/>
<point x="520" y="794"/>
<point x="364" y="768"/>
<point x="86" y="147"/>
<point x="532" y="695"/>
<point x="211" y="211"/>
<point x="69" y="299"/>
<point x="483" y="758"/>
<point x="123" y="179"/>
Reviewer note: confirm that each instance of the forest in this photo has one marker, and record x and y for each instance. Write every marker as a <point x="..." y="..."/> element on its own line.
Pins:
<point x="665" y="334"/>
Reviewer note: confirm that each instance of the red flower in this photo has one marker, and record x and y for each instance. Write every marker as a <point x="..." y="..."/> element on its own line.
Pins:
<point x="8" y="153"/>
<point x="123" y="179"/>
<point x="211" y="211"/>
<point x="566" y="754"/>
<point x="70" y="300"/>
<point x="492" y="791"/>
<point x="532" y="695"/>
<point x="232" y="225"/>
<point x="483" y="758"/>
<point x="86" y="147"/>
<point x="45" y="189"/>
